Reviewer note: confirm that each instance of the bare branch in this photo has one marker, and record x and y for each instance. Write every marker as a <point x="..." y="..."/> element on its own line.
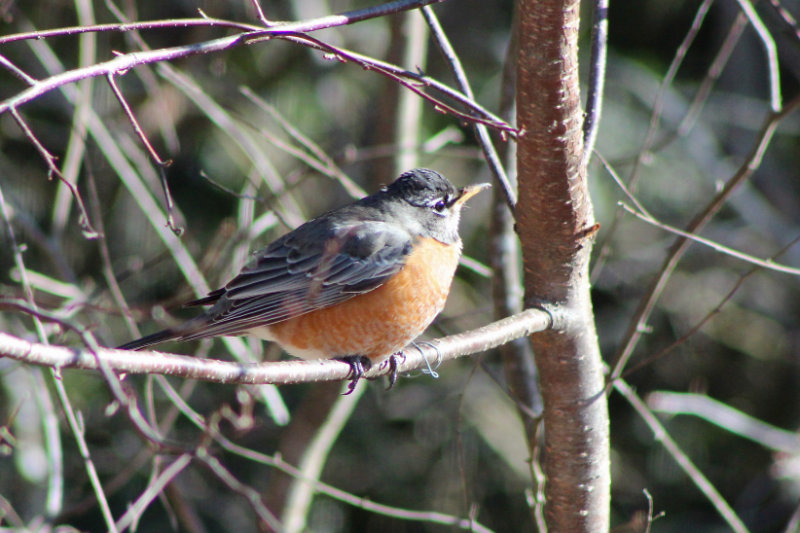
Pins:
<point x="711" y="314"/>
<point x="597" y="78"/>
<point x="773" y="68"/>
<point x="764" y="263"/>
<point x="283" y="372"/>
<point x="321" y="23"/>
<point x="489" y="152"/>
<point x="669" y="77"/>
<point x="126" y="27"/>
<point x="160" y="163"/>
<point x="476" y="113"/>
<point x="714" y="71"/>
<point x="153" y="490"/>
<point x="88" y="231"/>
<point x="260" y="13"/>
<point x="16" y="71"/>
<point x="725" y="417"/>
<point x="662" y="435"/>
<point x="247" y="492"/>
<point x="350" y="499"/>
<point x="118" y="65"/>
<point x="111" y="77"/>
<point x="301" y="492"/>
<point x="125" y="62"/>
<point x="752" y="162"/>
<point x="785" y="16"/>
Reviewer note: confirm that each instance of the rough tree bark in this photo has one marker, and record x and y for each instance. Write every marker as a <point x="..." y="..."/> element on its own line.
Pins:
<point x="555" y="224"/>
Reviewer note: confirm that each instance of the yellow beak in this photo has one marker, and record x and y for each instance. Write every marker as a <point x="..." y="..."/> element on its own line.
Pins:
<point x="469" y="191"/>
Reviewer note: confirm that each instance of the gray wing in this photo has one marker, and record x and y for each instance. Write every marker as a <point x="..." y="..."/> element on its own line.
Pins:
<point x="308" y="269"/>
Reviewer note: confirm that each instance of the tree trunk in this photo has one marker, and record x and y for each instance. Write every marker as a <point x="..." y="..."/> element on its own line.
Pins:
<point x="555" y="224"/>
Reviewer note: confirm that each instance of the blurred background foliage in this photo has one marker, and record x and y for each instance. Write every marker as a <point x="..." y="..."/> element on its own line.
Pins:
<point x="446" y="444"/>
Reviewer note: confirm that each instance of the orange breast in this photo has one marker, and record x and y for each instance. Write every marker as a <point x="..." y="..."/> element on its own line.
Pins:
<point x="383" y="321"/>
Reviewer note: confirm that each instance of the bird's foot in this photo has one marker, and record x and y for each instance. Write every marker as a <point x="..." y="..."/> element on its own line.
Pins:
<point x="393" y="364"/>
<point x="358" y="365"/>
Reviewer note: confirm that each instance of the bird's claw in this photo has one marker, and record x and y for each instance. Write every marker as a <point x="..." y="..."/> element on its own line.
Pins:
<point x="358" y="365"/>
<point x="393" y="366"/>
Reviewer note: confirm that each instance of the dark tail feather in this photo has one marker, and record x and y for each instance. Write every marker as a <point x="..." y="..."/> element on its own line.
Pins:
<point x="212" y="298"/>
<point x="150" y="340"/>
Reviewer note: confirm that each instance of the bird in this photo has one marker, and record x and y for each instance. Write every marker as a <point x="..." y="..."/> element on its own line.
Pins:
<point x="357" y="284"/>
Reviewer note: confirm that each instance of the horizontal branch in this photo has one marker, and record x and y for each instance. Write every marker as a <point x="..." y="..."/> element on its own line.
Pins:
<point x="327" y="21"/>
<point x="119" y="65"/>
<point x="281" y="372"/>
<point x="123" y="27"/>
<point x="292" y="31"/>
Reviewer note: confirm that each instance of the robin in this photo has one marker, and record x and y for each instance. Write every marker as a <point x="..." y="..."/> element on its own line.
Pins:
<point x="356" y="284"/>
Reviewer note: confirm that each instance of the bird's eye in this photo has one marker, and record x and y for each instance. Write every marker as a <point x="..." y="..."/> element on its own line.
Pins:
<point x="440" y="206"/>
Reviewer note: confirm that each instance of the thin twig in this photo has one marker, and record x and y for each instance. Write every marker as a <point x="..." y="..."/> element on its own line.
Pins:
<point x="711" y="314"/>
<point x="161" y="164"/>
<point x="260" y="13"/>
<point x="773" y="67"/>
<point x="357" y="15"/>
<point x="16" y="71"/>
<point x="301" y="492"/>
<point x="88" y="231"/>
<point x="495" y="165"/>
<point x="669" y="77"/>
<point x="112" y="486"/>
<point x="621" y="184"/>
<point x="649" y="141"/>
<point x="319" y="160"/>
<point x="105" y="256"/>
<point x="55" y="485"/>
<point x="709" y="80"/>
<point x="727" y="418"/>
<point x="752" y="162"/>
<point x="321" y="23"/>
<point x="10" y="514"/>
<point x="407" y="113"/>
<point x="152" y="491"/>
<point x="475" y="113"/>
<point x="150" y="84"/>
<point x="650" y="516"/>
<point x="112" y="82"/>
<point x="76" y="145"/>
<point x="120" y="63"/>
<point x="350" y="499"/>
<point x="785" y="16"/>
<point x="597" y="78"/>
<point x="248" y="493"/>
<point x="712" y="75"/>
<point x="126" y="27"/>
<point x="764" y="263"/>
<point x="661" y="435"/>
<point x="76" y="428"/>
